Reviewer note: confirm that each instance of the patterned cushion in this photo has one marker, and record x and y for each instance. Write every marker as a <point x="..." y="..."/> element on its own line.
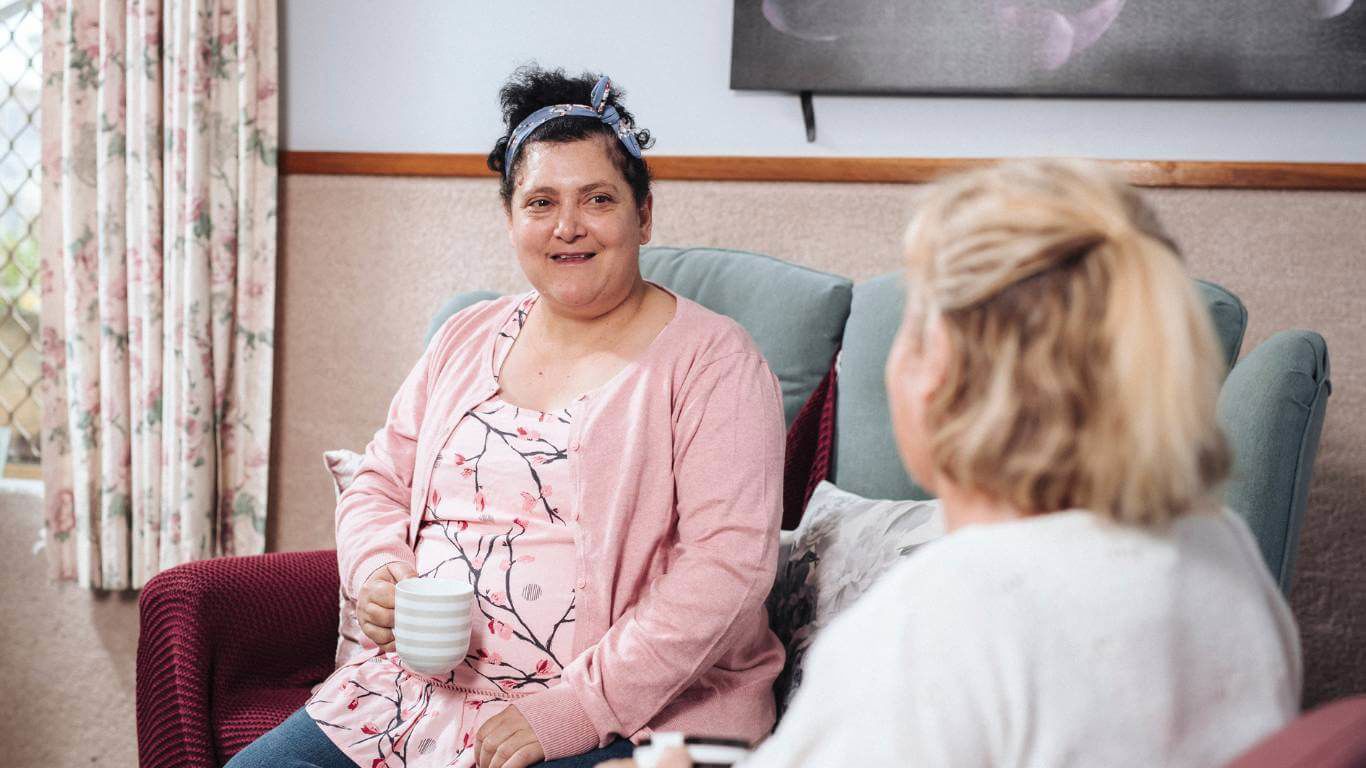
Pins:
<point x="844" y="543"/>
<point x="342" y="466"/>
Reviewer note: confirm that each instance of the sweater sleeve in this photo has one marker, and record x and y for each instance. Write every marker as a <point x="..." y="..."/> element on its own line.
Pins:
<point x="372" y="513"/>
<point x="727" y="464"/>
<point x="905" y="676"/>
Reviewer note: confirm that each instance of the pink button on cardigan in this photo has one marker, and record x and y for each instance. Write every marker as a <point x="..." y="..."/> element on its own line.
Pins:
<point x="678" y="478"/>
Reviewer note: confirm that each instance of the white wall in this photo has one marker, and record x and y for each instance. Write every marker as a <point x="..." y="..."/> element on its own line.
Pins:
<point x="422" y="75"/>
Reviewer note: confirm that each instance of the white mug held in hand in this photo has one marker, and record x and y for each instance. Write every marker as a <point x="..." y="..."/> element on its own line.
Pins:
<point x="432" y="623"/>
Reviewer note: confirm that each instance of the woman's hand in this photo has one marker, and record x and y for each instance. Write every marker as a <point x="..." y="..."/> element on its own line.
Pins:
<point x="375" y="604"/>
<point x="674" y="758"/>
<point x="506" y="741"/>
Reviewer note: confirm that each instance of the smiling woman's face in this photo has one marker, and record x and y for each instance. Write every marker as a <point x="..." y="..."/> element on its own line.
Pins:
<point x="576" y="227"/>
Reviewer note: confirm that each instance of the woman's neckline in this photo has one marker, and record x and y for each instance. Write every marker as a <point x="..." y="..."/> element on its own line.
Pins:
<point x="578" y="399"/>
<point x="566" y="411"/>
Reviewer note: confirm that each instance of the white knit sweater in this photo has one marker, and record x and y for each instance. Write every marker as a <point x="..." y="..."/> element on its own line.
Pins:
<point x="1059" y="640"/>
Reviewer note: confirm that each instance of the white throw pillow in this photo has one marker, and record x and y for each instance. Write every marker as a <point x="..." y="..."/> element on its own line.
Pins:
<point x="842" y="545"/>
<point x="342" y="466"/>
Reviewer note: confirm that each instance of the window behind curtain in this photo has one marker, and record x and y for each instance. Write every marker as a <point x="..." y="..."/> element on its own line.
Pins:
<point x="20" y="150"/>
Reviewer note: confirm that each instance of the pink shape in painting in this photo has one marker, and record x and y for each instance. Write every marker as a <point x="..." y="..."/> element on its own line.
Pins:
<point x="1327" y="9"/>
<point x="1055" y="37"/>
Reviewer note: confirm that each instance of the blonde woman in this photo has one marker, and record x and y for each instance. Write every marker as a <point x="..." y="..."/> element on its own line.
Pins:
<point x="1054" y="383"/>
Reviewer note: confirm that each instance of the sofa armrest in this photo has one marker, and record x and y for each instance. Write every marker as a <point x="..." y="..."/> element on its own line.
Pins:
<point x="1272" y="407"/>
<point x="215" y="632"/>
<point x="1332" y="736"/>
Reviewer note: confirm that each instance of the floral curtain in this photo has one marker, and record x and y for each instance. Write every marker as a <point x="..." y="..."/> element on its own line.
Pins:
<point x="158" y="282"/>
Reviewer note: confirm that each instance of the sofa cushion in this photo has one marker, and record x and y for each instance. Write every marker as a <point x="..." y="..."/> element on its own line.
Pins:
<point x="844" y="543"/>
<point x="1229" y="316"/>
<point x="455" y="304"/>
<point x="795" y="315"/>
<point x="865" y="458"/>
<point x="1272" y="407"/>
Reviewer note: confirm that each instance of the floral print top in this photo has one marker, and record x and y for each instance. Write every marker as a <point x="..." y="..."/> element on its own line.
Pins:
<point x="494" y="516"/>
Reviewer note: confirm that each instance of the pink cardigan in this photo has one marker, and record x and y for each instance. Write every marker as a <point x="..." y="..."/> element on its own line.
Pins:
<point x="678" y="479"/>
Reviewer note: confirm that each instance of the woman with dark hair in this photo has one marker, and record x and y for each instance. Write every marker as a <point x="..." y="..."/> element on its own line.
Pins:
<point x="598" y="458"/>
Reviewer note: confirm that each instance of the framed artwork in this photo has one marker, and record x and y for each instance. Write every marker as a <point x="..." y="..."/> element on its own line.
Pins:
<point x="1141" y="48"/>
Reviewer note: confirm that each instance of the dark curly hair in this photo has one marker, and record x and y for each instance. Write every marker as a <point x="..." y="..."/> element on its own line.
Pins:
<point x="528" y="89"/>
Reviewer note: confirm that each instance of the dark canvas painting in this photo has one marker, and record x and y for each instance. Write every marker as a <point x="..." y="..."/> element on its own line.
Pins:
<point x="1210" y="48"/>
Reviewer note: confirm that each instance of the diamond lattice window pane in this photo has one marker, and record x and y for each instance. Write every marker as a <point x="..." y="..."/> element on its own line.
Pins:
<point x="20" y="148"/>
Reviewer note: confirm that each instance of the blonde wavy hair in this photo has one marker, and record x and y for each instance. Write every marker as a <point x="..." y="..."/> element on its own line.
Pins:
<point x="1084" y="369"/>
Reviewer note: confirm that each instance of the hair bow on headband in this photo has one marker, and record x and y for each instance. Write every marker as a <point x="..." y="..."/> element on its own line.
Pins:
<point x="600" y="110"/>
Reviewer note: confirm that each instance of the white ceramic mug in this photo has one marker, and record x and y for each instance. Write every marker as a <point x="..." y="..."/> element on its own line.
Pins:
<point x="432" y="623"/>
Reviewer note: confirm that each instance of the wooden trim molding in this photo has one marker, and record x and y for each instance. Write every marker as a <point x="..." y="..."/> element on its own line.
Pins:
<point x="383" y="164"/>
<point x="1146" y="173"/>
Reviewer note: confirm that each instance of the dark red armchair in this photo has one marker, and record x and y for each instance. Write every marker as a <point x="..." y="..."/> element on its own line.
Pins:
<point x="228" y="649"/>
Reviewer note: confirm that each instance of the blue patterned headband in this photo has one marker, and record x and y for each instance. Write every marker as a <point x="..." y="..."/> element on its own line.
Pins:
<point x="600" y="110"/>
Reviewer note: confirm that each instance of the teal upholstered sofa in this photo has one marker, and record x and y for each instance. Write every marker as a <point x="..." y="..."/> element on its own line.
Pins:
<point x="1271" y="406"/>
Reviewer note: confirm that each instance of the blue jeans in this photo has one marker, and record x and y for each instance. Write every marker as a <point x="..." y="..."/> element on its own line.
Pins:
<point x="298" y="742"/>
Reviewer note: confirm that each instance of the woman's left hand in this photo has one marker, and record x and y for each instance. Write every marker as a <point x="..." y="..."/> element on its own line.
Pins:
<point x="506" y="741"/>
